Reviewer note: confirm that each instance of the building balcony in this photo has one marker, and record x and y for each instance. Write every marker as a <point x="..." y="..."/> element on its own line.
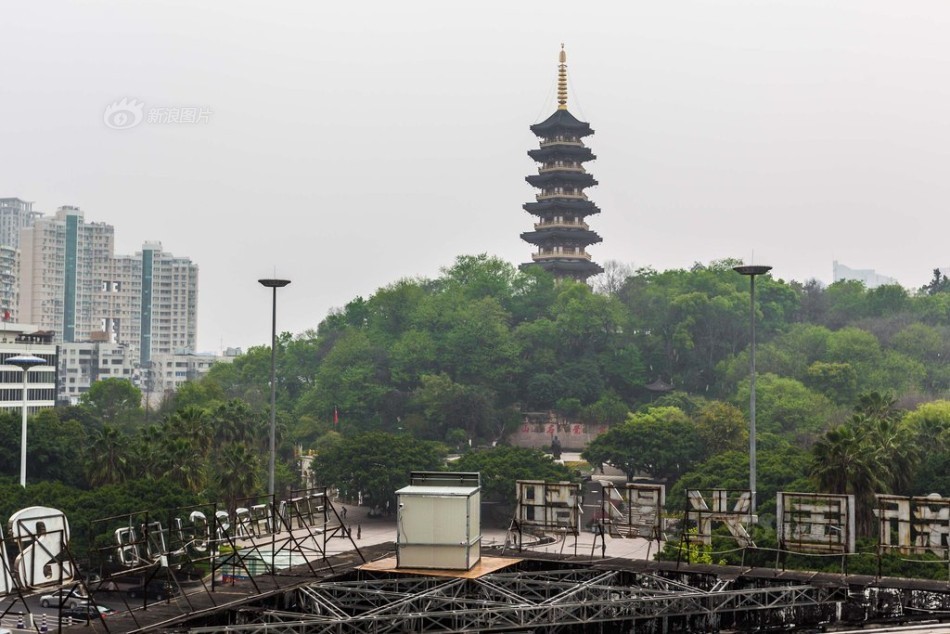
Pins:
<point x="577" y="195"/>
<point x="544" y="169"/>
<point x="560" y="224"/>
<point x="554" y="255"/>
<point x="562" y="140"/>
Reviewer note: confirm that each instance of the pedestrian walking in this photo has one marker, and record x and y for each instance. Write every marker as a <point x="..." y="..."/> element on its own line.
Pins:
<point x="344" y="512"/>
<point x="359" y="531"/>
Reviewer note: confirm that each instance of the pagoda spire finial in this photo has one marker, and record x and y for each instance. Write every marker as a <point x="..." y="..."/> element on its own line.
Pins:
<point x="562" y="80"/>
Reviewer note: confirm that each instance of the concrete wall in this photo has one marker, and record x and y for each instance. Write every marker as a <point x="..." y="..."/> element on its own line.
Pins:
<point x="538" y="429"/>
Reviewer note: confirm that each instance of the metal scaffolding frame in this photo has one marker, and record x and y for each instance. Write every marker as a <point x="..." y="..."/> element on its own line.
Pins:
<point x="537" y="601"/>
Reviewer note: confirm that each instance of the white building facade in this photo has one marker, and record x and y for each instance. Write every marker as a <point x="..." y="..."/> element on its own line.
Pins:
<point x="869" y="277"/>
<point x="9" y="283"/>
<point x="25" y="339"/>
<point x="72" y="283"/>
<point x="83" y="363"/>
<point x="15" y="215"/>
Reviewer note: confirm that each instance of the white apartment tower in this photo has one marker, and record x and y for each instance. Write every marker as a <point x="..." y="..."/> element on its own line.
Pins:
<point x="74" y="285"/>
<point x="15" y="215"/>
<point x="9" y="282"/>
<point x="151" y="297"/>
<point x="59" y="261"/>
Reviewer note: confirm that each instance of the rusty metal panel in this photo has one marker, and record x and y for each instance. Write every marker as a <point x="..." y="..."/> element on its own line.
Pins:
<point x="815" y="522"/>
<point x="548" y="506"/>
<point x="914" y="525"/>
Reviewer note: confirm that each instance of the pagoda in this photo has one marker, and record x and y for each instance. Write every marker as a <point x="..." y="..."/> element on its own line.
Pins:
<point x="561" y="233"/>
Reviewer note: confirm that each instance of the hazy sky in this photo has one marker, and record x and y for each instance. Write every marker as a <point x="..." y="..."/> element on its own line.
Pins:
<point x="346" y="145"/>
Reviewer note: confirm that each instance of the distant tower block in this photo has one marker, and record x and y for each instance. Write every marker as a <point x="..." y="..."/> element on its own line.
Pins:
<point x="561" y="233"/>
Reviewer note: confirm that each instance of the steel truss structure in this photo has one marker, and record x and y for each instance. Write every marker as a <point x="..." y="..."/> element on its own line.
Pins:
<point x="559" y="600"/>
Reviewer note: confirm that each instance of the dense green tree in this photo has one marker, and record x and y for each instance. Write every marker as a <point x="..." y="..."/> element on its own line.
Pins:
<point x="479" y="276"/>
<point x="812" y="301"/>
<point x="687" y="322"/>
<point x="782" y="467"/>
<point x="608" y="410"/>
<point x="113" y="401"/>
<point x="837" y="381"/>
<point x="351" y="380"/>
<point x="930" y="423"/>
<point x="533" y="294"/>
<point x="888" y="299"/>
<point x="477" y="349"/>
<point x="847" y="302"/>
<point x="661" y="442"/>
<point x="785" y="406"/>
<point x="933" y="309"/>
<point x="411" y="356"/>
<point x="502" y="466"/>
<point x="721" y="427"/>
<point x="204" y="393"/>
<point x="446" y="405"/>
<point x="940" y="283"/>
<point x="376" y="464"/>
<point x="930" y="346"/>
<point x="54" y="449"/>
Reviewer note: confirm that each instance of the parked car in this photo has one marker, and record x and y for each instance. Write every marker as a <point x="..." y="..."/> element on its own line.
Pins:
<point x="67" y="597"/>
<point x="87" y="611"/>
<point x="155" y="589"/>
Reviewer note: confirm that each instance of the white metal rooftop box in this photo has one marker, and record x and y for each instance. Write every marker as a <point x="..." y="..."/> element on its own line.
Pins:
<point x="438" y="522"/>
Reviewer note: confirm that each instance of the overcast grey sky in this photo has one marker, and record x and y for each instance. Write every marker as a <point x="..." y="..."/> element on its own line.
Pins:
<point x="349" y="144"/>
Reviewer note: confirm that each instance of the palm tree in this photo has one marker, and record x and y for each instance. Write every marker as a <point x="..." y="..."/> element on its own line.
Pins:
<point x="184" y="464"/>
<point x="845" y="462"/>
<point x="148" y="455"/>
<point x="107" y="459"/>
<point x="897" y="452"/>
<point x="235" y="474"/>
<point x="877" y="406"/>
<point x="193" y="424"/>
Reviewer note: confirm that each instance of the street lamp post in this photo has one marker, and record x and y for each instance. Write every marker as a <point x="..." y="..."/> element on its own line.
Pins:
<point x="273" y="284"/>
<point x="25" y="362"/>
<point x="751" y="270"/>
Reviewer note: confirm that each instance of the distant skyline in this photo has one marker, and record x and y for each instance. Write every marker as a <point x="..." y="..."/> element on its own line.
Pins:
<point x="346" y="146"/>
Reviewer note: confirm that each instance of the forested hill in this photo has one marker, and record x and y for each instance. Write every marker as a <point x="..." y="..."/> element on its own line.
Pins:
<point x="463" y="353"/>
<point x="853" y="393"/>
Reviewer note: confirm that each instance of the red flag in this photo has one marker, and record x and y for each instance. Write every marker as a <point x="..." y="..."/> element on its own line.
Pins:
<point x="336" y="417"/>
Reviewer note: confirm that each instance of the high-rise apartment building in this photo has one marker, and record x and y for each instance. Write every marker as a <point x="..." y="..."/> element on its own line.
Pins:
<point x="15" y="215"/>
<point x="151" y="298"/>
<point x="60" y="258"/>
<point x="9" y="282"/>
<point x="72" y="283"/>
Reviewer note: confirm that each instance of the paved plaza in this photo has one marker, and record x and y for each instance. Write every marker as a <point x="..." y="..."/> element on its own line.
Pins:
<point x="367" y="530"/>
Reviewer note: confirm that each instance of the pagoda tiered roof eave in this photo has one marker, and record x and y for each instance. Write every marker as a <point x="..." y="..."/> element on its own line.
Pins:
<point x="552" y="205"/>
<point x="554" y="177"/>
<point x="560" y="234"/>
<point x="562" y="121"/>
<point x="585" y="268"/>
<point x="573" y="152"/>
